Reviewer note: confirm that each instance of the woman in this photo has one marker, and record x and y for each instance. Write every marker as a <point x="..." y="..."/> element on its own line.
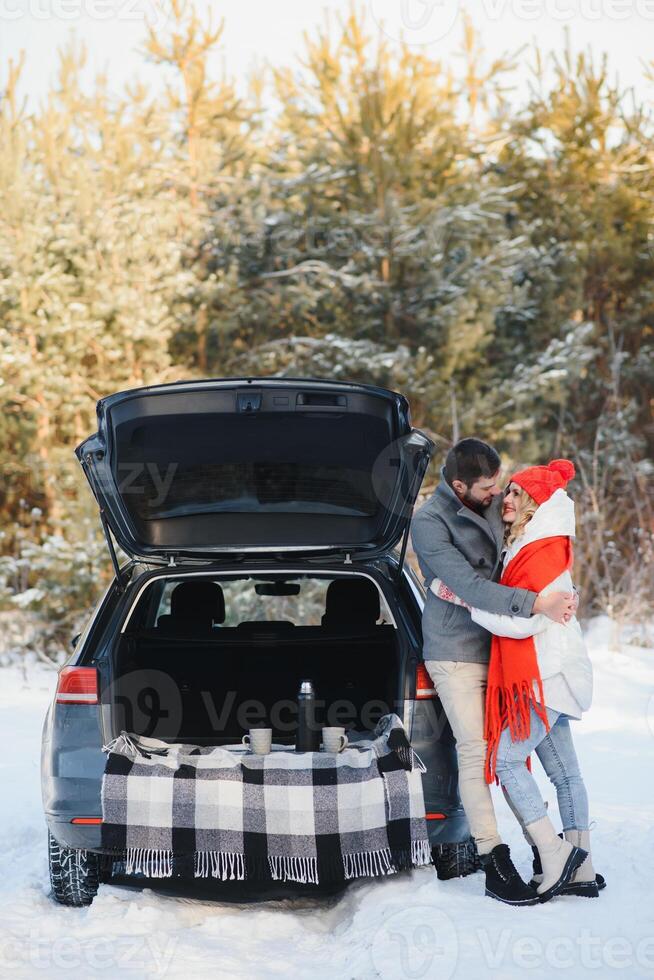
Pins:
<point x="539" y="677"/>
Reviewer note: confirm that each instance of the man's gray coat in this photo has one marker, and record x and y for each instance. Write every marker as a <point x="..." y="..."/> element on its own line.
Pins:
<point x="463" y="548"/>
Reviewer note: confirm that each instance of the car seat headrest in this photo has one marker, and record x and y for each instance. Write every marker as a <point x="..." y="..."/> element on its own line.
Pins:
<point x="200" y="602"/>
<point x="351" y="602"/>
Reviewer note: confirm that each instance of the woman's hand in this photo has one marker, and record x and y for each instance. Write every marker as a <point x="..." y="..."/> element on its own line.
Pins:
<point x="560" y="607"/>
<point x="568" y="616"/>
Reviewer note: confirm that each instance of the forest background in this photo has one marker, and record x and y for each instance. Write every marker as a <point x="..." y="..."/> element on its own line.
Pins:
<point x="366" y="213"/>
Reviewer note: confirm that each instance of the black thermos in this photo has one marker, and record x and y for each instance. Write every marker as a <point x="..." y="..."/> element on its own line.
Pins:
<point x="308" y="732"/>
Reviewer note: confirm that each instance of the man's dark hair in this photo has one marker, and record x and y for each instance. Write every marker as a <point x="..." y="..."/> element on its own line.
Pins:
<point x="469" y="460"/>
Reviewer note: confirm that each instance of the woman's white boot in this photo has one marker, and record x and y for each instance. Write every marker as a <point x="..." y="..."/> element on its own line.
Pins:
<point x="559" y="857"/>
<point x="581" y="838"/>
<point x="584" y="881"/>
<point x="517" y="815"/>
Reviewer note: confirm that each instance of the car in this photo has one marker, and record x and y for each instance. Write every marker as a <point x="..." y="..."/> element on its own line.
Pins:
<point x="264" y="524"/>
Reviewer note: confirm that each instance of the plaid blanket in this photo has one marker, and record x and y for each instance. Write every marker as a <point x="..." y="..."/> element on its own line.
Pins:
<point x="305" y="817"/>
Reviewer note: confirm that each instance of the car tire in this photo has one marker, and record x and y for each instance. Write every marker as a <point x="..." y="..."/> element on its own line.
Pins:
<point x="455" y="860"/>
<point x="74" y="874"/>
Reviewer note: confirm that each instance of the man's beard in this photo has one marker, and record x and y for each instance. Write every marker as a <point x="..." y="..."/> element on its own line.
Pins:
<point x="473" y="504"/>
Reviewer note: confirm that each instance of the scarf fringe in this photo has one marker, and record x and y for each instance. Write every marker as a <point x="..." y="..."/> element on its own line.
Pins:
<point x="149" y="861"/>
<point x="226" y="865"/>
<point x="511" y="707"/>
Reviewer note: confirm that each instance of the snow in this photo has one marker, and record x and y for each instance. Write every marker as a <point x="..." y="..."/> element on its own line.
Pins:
<point x="407" y="926"/>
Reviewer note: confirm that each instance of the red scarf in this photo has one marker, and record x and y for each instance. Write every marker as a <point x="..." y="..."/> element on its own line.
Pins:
<point x="513" y="668"/>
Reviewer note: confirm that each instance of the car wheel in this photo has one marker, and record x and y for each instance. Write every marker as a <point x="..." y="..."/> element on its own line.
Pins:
<point x="74" y="874"/>
<point x="456" y="860"/>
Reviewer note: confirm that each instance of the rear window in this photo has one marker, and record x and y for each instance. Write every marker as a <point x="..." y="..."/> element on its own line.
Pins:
<point x="205" y="464"/>
<point x="244" y="604"/>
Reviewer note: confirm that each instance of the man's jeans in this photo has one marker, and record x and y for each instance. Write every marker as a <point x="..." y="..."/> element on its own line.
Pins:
<point x="461" y="688"/>
<point x="556" y="752"/>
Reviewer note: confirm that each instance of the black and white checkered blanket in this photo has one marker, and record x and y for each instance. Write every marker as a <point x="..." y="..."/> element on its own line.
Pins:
<point x="225" y="813"/>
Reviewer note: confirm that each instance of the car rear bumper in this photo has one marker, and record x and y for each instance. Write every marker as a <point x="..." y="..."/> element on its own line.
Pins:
<point x="432" y="740"/>
<point x="72" y="765"/>
<point x="83" y="837"/>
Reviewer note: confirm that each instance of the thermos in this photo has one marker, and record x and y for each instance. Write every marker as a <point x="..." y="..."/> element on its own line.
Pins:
<point x="308" y="732"/>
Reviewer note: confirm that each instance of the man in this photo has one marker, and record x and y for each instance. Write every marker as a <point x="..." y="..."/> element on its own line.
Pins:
<point x="458" y="537"/>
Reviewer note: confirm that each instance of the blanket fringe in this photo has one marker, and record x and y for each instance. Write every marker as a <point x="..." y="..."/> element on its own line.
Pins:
<point x="226" y="865"/>
<point x="230" y="866"/>
<point x="121" y="744"/>
<point x="301" y="869"/>
<point x="368" y="864"/>
<point x="149" y="861"/>
<point x="420" y="853"/>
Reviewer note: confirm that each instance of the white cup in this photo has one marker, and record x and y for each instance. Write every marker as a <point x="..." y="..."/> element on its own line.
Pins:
<point x="259" y="740"/>
<point x="334" y="739"/>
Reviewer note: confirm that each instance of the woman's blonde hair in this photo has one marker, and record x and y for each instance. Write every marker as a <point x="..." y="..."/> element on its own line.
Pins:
<point x="526" y="507"/>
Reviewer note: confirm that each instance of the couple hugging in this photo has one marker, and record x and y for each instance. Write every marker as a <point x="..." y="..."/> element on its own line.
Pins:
<point x="507" y="657"/>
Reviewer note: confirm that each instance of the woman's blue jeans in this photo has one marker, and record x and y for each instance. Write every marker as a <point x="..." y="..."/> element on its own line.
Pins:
<point x="556" y="752"/>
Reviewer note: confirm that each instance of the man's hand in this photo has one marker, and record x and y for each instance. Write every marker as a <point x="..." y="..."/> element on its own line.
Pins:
<point x="560" y="607"/>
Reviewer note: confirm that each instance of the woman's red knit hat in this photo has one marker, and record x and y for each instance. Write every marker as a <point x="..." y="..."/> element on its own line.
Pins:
<point x="540" y="482"/>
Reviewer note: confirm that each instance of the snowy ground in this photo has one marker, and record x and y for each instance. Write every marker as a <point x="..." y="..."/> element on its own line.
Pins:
<point x="408" y="926"/>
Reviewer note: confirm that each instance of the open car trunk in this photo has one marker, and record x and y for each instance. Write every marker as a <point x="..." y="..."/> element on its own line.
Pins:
<point x="218" y="467"/>
<point x="209" y="686"/>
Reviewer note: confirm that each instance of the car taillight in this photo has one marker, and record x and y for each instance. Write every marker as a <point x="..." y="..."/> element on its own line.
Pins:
<point x="77" y="685"/>
<point x="424" y="685"/>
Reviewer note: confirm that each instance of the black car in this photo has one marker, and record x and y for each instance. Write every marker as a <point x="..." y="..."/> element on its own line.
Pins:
<point x="265" y="522"/>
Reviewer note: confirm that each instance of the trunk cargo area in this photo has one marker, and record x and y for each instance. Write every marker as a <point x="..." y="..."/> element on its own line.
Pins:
<point x="212" y="691"/>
